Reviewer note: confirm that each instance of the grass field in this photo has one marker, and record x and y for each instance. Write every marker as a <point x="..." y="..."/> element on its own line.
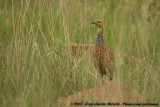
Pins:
<point x="34" y="34"/>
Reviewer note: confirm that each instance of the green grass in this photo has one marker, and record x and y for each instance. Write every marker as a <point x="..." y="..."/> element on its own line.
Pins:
<point x="34" y="70"/>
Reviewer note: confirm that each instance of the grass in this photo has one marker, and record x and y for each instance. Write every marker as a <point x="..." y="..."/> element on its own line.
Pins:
<point x="34" y="70"/>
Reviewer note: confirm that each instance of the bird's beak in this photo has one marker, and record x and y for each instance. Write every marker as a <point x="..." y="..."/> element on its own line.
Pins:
<point x="93" y="22"/>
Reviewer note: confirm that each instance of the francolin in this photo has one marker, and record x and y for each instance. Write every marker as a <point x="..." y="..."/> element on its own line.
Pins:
<point x="103" y="57"/>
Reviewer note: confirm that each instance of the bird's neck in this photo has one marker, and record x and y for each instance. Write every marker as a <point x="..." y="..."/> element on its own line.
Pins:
<point x="100" y="37"/>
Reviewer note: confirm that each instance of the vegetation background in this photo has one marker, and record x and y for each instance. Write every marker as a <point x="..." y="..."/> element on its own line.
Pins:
<point x="34" y="35"/>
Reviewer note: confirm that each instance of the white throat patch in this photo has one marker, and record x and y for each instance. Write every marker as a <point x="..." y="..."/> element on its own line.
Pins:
<point x="99" y="29"/>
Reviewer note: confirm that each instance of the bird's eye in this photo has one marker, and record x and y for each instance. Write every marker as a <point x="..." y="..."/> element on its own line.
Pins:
<point x="99" y="21"/>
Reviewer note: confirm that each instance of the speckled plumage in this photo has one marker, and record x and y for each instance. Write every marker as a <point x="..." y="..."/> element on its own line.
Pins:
<point x="103" y="57"/>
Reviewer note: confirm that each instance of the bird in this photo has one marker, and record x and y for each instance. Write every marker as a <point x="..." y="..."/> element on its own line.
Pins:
<point x="102" y="54"/>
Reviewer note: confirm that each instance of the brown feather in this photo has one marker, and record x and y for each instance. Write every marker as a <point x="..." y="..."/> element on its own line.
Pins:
<point x="103" y="57"/>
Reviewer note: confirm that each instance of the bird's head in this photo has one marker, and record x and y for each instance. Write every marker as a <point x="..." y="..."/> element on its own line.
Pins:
<point x="98" y="23"/>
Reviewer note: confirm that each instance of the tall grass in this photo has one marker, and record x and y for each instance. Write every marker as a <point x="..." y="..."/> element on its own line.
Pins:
<point x="34" y="66"/>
